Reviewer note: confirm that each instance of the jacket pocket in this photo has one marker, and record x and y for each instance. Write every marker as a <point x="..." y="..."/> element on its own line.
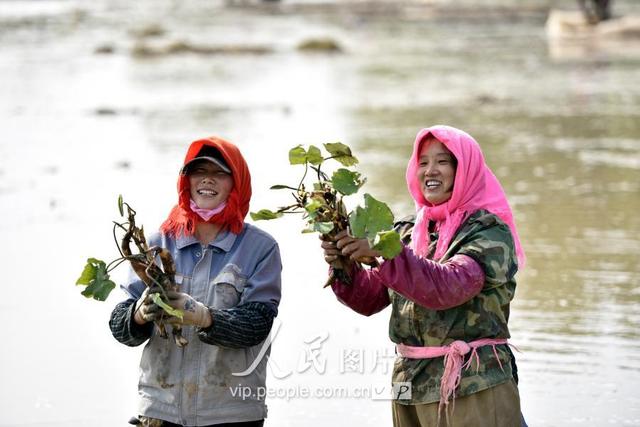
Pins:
<point x="227" y="287"/>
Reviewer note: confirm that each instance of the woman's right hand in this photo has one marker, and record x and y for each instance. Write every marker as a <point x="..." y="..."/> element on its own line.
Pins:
<point x="330" y="250"/>
<point x="348" y="246"/>
<point x="146" y="310"/>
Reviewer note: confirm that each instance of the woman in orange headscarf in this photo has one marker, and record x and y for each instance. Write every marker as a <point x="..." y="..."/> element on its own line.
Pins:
<point x="229" y="277"/>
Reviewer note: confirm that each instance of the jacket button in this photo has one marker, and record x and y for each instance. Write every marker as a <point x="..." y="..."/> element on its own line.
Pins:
<point x="197" y="254"/>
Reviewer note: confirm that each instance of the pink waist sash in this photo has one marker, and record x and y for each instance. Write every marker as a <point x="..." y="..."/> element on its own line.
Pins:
<point x="453" y="361"/>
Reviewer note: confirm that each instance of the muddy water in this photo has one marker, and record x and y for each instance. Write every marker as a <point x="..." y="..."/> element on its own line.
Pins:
<point x="558" y="123"/>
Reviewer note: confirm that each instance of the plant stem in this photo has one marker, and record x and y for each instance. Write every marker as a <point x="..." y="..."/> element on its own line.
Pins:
<point x="321" y="175"/>
<point x="130" y="209"/>
<point x="115" y="238"/>
<point x="286" y="208"/>
<point x="306" y="168"/>
<point x="118" y="261"/>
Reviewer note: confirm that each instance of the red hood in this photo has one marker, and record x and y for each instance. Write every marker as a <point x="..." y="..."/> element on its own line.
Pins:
<point x="182" y="220"/>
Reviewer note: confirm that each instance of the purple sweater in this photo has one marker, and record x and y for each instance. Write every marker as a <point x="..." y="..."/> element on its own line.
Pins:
<point x="427" y="283"/>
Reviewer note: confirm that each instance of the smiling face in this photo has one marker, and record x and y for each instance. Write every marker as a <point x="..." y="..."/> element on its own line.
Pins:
<point x="436" y="171"/>
<point x="209" y="184"/>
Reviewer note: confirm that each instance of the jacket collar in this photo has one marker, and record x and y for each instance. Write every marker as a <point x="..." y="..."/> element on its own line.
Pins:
<point x="224" y="241"/>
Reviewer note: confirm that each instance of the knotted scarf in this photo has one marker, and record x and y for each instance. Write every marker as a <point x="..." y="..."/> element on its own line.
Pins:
<point x="475" y="187"/>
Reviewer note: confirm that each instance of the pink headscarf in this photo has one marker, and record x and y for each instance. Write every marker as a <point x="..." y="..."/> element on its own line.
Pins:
<point x="475" y="187"/>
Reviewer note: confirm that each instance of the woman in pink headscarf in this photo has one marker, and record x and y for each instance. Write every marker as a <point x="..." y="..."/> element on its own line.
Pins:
<point x="449" y="288"/>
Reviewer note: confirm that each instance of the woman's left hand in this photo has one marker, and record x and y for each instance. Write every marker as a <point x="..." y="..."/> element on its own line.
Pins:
<point x="194" y="312"/>
<point x="356" y="249"/>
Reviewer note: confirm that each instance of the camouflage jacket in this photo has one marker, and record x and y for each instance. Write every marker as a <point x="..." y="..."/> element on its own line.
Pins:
<point x="480" y="310"/>
<point x="486" y="239"/>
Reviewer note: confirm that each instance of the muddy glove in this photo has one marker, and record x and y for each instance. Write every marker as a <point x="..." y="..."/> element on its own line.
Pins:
<point x="194" y="312"/>
<point x="146" y="311"/>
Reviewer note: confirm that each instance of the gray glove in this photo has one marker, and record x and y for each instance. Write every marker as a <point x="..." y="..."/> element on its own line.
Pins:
<point x="146" y="311"/>
<point x="195" y="312"/>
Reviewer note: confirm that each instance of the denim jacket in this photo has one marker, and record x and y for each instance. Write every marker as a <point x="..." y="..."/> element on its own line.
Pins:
<point x="195" y="385"/>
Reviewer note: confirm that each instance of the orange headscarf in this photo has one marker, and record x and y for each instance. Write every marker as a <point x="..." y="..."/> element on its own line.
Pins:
<point x="182" y="220"/>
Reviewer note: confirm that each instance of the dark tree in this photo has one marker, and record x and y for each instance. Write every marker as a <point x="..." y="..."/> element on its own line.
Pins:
<point x="596" y="10"/>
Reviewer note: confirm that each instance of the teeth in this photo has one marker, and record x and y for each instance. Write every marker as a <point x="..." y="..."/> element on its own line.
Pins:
<point x="207" y="192"/>
<point x="432" y="183"/>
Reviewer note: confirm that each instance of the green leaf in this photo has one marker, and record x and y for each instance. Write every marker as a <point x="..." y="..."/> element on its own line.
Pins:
<point x="314" y="204"/>
<point x="338" y="149"/>
<point x="346" y="182"/>
<point x="96" y="279"/>
<point x="101" y="272"/>
<point x="89" y="290"/>
<point x="282" y="187"/>
<point x="368" y="221"/>
<point x="265" y="214"/>
<point x="341" y="153"/>
<point x="88" y="274"/>
<point x="388" y="243"/>
<point x="103" y="289"/>
<point x="297" y="155"/>
<point x="323" y="227"/>
<point x="314" y="156"/>
<point x="358" y="222"/>
<point x="157" y="300"/>
<point x="120" y="205"/>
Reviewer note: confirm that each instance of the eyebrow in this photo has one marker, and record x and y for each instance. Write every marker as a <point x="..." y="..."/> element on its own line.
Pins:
<point x="438" y="154"/>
